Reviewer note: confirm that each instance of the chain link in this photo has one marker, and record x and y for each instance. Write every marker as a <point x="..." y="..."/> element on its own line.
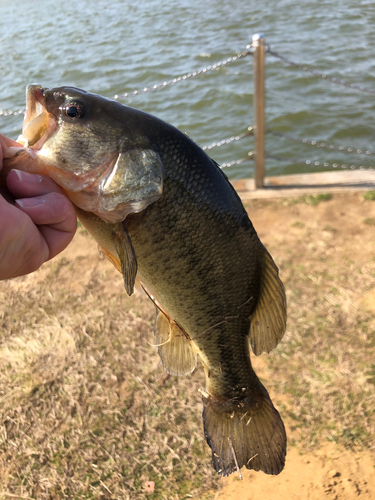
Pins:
<point x="229" y="140"/>
<point x="318" y="163"/>
<point x="249" y="157"/>
<point x="334" y="165"/>
<point x="229" y="60"/>
<point x="322" y="144"/>
<point x="8" y="112"/>
<point x="167" y="83"/>
<point x="187" y="76"/>
<point x="303" y="67"/>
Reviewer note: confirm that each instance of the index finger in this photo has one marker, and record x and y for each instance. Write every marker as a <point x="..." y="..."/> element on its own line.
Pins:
<point x="6" y="143"/>
<point x="26" y="185"/>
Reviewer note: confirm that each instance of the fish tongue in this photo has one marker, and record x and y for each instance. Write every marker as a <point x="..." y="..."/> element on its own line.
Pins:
<point x="34" y="129"/>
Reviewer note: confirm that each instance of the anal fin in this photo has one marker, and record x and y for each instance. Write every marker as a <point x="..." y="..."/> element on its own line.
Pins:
<point x="176" y="351"/>
<point x="268" y="321"/>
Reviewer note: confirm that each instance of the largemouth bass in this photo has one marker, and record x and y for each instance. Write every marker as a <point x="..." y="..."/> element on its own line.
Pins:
<point x="165" y="214"/>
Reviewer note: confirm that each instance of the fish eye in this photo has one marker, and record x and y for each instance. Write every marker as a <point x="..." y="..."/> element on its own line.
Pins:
<point x="74" y="110"/>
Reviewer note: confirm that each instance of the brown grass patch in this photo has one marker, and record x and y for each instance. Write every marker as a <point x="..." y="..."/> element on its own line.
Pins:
<point x="85" y="409"/>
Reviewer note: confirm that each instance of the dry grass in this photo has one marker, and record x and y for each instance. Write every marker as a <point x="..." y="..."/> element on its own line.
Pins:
<point x="324" y="368"/>
<point x="86" y="411"/>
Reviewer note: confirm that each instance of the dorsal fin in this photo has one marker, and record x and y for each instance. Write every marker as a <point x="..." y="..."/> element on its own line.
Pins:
<point x="176" y="351"/>
<point x="268" y="321"/>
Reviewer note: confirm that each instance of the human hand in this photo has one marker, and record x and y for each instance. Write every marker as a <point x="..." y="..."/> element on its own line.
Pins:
<point x="39" y="225"/>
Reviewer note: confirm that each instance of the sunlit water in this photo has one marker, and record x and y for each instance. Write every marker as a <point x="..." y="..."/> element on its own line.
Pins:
<point x="116" y="47"/>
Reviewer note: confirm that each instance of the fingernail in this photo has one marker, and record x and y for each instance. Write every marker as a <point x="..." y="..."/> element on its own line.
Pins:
<point x="26" y="177"/>
<point x="30" y="202"/>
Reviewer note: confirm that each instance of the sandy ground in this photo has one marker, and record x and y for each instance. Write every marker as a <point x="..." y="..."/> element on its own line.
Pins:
<point x="327" y="473"/>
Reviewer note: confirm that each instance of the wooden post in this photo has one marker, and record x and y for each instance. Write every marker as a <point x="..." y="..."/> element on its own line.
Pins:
<point x="259" y="106"/>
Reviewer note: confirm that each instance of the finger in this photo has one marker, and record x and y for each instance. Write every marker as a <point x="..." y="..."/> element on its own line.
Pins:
<point x="55" y="217"/>
<point x="50" y="209"/>
<point x="56" y="240"/>
<point x="26" y="185"/>
<point x="6" y="143"/>
<point x="22" y="246"/>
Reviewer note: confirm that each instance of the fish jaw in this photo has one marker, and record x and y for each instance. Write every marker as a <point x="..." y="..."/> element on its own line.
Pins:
<point x="38" y="124"/>
<point x="34" y="155"/>
<point x="38" y="127"/>
<point x="113" y="173"/>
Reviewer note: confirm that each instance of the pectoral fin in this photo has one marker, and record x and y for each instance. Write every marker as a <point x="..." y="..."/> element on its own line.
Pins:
<point x="268" y="321"/>
<point x="126" y="255"/>
<point x="176" y="351"/>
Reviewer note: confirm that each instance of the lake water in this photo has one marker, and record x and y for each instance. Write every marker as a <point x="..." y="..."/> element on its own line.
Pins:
<point x="115" y="47"/>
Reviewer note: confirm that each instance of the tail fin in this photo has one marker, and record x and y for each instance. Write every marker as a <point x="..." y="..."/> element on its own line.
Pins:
<point x="247" y="432"/>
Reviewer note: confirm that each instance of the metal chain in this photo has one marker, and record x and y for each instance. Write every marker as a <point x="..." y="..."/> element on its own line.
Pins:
<point x="229" y="140"/>
<point x="8" y="112"/>
<point x="178" y="79"/>
<point x="321" y="144"/>
<point x="249" y="157"/>
<point x="317" y="163"/>
<point x="343" y="83"/>
<point x="187" y="76"/>
<point x="334" y="165"/>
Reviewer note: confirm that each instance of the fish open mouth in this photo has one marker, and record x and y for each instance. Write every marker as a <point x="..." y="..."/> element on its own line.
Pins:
<point x="38" y="123"/>
<point x="99" y="171"/>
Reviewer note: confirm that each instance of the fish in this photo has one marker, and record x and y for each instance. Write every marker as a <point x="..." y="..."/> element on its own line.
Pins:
<point x="166" y="216"/>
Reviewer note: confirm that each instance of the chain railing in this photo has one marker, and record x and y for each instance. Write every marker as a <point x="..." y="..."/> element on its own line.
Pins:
<point x="229" y="140"/>
<point x="319" y="163"/>
<point x="187" y="76"/>
<point x="254" y="50"/>
<point x="250" y="156"/>
<point x="9" y="112"/>
<point x="162" y="85"/>
<point x="343" y="166"/>
<point x="324" y="76"/>
<point x="322" y="145"/>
